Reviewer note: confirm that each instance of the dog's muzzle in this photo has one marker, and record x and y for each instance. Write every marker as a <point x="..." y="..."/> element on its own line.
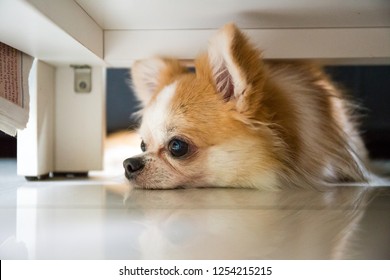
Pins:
<point x="133" y="166"/>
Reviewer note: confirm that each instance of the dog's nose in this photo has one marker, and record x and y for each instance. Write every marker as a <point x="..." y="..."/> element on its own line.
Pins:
<point x="133" y="165"/>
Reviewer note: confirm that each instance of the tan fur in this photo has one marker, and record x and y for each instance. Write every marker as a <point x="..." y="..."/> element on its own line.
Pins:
<point x="249" y="123"/>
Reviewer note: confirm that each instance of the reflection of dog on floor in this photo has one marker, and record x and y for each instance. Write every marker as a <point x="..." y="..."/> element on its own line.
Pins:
<point x="242" y="122"/>
<point x="220" y="223"/>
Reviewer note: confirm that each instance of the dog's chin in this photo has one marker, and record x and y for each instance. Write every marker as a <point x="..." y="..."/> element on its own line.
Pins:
<point x="145" y="186"/>
<point x="153" y="187"/>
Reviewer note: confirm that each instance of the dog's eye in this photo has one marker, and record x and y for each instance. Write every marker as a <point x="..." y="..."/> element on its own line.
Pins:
<point x="143" y="146"/>
<point x="178" y="148"/>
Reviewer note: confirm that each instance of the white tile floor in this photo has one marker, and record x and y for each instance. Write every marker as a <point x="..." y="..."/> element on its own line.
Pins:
<point x="89" y="219"/>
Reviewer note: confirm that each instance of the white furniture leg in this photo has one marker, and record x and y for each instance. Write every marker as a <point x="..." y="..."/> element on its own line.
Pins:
<point x="35" y="143"/>
<point x="66" y="129"/>
<point x="80" y="123"/>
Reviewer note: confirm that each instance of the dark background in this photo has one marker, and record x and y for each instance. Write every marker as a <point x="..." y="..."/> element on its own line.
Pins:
<point x="369" y="86"/>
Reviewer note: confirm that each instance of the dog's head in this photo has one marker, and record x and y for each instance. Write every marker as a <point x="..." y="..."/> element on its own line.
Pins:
<point x="206" y="128"/>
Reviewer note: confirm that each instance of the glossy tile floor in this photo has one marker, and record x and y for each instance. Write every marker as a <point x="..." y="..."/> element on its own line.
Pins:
<point x="91" y="219"/>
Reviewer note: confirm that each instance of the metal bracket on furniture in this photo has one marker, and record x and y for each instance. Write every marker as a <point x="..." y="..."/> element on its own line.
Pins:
<point x="82" y="78"/>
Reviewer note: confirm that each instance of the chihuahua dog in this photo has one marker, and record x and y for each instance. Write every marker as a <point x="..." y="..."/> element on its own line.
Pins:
<point x="239" y="121"/>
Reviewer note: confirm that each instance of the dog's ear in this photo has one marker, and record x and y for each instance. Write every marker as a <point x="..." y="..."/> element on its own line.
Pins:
<point x="149" y="76"/>
<point x="236" y="68"/>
